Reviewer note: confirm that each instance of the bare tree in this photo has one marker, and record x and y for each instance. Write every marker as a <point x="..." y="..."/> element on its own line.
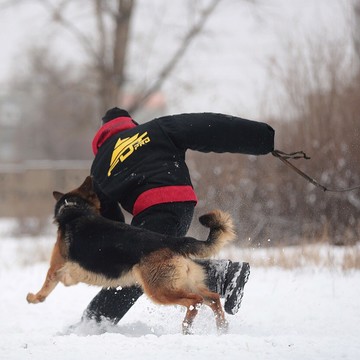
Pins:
<point x="356" y="26"/>
<point x="108" y="54"/>
<point x="67" y="100"/>
<point x="192" y="33"/>
<point x="58" y="109"/>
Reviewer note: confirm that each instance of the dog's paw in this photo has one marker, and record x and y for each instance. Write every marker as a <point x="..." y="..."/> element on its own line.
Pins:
<point x="187" y="329"/>
<point x="34" y="299"/>
<point x="222" y="327"/>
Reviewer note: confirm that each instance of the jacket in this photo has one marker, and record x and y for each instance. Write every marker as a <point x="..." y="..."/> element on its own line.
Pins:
<point x="144" y="165"/>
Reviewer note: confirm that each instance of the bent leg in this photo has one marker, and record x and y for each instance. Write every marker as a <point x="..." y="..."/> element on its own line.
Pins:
<point x="179" y="297"/>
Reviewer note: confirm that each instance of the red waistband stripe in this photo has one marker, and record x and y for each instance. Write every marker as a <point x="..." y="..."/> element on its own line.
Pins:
<point x="161" y="195"/>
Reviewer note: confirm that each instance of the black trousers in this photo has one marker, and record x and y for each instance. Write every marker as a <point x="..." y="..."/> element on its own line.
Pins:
<point x="171" y="219"/>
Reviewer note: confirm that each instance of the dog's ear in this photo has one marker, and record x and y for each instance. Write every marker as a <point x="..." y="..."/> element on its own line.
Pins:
<point x="87" y="185"/>
<point x="57" y="195"/>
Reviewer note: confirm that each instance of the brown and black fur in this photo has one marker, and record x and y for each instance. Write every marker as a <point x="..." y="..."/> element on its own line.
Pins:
<point x="94" y="250"/>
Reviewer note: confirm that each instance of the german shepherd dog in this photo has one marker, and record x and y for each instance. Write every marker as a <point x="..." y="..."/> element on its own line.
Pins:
<point x="94" y="250"/>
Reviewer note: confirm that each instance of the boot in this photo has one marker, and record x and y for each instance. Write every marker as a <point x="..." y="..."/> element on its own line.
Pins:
<point x="228" y="279"/>
<point x="236" y="278"/>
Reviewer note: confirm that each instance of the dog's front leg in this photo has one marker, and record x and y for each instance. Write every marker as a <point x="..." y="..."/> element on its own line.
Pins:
<point x="49" y="285"/>
<point x="52" y="277"/>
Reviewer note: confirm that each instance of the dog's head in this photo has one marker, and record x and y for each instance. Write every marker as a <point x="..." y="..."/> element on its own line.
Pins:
<point x="82" y="199"/>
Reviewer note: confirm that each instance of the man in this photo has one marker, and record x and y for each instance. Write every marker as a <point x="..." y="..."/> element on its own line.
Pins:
<point x="142" y="168"/>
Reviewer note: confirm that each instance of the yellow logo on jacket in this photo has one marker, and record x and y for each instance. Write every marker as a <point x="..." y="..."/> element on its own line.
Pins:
<point x="125" y="147"/>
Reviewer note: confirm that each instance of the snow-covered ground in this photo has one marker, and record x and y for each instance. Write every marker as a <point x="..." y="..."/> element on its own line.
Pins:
<point x="307" y="313"/>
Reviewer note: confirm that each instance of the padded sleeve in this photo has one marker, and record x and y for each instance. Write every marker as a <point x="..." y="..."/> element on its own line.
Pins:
<point x="218" y="133"/>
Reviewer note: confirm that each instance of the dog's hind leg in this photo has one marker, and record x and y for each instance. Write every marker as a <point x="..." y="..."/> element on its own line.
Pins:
<point x="192" y="310"/>
<point x="212" y="300"/>
<point x="167" y="296"/>
<point x="181" y="297"/>
<point x="52" y="278"/>
<point x="164" y="279"/>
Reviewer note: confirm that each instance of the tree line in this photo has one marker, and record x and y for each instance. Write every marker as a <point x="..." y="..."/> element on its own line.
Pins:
<point x="62" y="102"/>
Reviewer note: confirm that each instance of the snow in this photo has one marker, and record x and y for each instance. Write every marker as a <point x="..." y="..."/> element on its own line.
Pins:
<point x="306" y="313"/>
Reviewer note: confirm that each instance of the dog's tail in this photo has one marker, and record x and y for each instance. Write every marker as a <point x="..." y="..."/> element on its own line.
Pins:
<point x="221" y="232"/>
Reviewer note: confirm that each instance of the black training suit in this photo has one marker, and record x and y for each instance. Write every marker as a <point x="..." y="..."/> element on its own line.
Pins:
<point x="144" y="165"/>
